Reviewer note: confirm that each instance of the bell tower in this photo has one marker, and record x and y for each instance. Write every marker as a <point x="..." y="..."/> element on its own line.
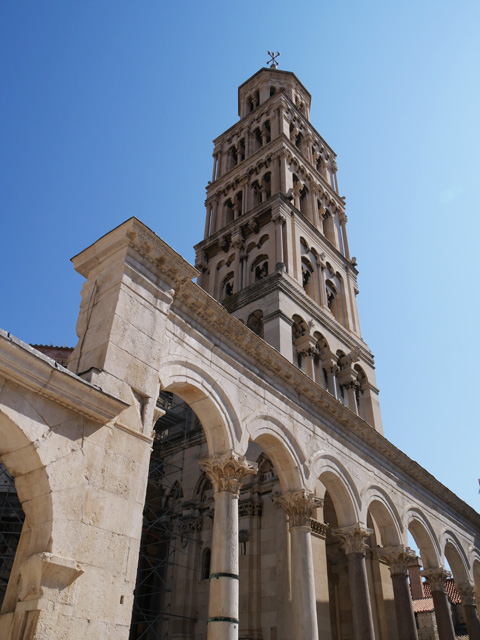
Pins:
<point x="275" y="250"/>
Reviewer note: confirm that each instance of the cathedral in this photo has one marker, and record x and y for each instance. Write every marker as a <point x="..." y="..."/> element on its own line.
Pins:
<point x="208" y="462"/>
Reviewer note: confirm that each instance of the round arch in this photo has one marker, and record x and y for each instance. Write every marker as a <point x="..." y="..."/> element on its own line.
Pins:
<point x="23" y="462"/>
<point x="335" y="479"/>
<point x="207" y="399"/>
<point x="476" y="576"/>
<point x="376" y="501"/>
<point x="424" y="536"/>
<point x="283" y="450"/>
<point x="453" y="552"/>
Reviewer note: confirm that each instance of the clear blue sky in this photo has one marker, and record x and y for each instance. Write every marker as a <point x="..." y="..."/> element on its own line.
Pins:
<point x="108" y="109"/>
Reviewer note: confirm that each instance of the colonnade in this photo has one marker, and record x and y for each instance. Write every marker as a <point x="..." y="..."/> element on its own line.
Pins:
<point x="227" y="472"/>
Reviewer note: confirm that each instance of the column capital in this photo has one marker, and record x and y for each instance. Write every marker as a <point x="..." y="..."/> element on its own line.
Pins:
<point x="436" y="578"/>
<point x="227" y="471"/>
<point x="397" y="557"/>
<point x="299" y="506"/>
<point x="353" y="538"/>
<point x="467" y="593"/>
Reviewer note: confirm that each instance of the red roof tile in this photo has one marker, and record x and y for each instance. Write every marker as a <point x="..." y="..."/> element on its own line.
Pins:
<point x="422" y="604"/>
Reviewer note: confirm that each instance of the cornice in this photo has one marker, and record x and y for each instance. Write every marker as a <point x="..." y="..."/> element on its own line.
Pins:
<point x="133" y="234"/>
<point x="281" y="280"/>
<point x="209" y="313"/>
<point x="32" y="370"/>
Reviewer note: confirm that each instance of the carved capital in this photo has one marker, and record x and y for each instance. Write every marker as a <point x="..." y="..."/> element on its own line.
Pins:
<point x="354" y="538"/>
<point x="299" y="506"/>
<point x="227" y="471"/>
<point x="467" y="593"/>
<point x="436" y="578"/>
<point x="397" y="558"/>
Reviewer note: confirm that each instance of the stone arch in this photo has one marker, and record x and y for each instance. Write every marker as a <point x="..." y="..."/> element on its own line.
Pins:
<point x="476" y="576"/>
<point x="207" y="399"/>
<point x="282" y="449"/>
<point x="381" y="507"/>
<point x="453" y="552"/>
<point x="335" y="479"/>
<point x="424" y="536"/>
<point x="20" y="457"/>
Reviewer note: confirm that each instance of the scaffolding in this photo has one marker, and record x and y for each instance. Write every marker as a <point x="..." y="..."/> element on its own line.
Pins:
<point x="161" y="540"/>
<point x="11" y="523"/>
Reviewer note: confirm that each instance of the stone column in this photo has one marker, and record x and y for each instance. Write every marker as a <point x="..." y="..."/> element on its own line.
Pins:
<point x="398" y="559"/>
<point x="226" y="472"/>
<point x="467" y="594"/>
<point x="299" y="507"/>
<point x="279" y="220"/>
<point x="353" y="540"/>
<point x="436" y="578"/>
<point x="343" y="224"/>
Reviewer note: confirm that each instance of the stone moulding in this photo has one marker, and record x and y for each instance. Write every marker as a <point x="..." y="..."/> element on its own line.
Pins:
<point x="32" y="370"/>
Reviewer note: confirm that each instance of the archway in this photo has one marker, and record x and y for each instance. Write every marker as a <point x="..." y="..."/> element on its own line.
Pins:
<point x="197" y="421"/>
<point x="341" y="509"/>
<point x="20" y="532"/>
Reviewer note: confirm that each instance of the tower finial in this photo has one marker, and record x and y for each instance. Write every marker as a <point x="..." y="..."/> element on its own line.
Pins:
<point x="273" y="62"/>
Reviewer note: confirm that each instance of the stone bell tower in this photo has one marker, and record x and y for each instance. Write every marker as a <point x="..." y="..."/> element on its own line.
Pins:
<point x="275" y="251"/>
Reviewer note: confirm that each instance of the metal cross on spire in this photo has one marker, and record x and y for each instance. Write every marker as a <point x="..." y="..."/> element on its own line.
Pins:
<point x="273" y="61"/>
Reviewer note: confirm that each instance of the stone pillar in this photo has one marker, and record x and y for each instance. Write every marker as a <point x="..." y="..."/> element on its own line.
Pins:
<point x="467" y="594"/>
<point x="226" y="472"/>
<point x="343" y="224"/>
<point x="299" y="507"/>
<point x="279" y="220"/>
<point x="398" y="559"/>
<point x="436" y="578"/>
<point x="353" y="540"/>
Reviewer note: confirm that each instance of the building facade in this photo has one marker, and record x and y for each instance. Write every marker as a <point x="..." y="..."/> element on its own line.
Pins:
<point x="211" y="464"/>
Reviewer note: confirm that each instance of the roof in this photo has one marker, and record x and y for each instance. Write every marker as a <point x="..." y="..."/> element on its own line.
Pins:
<point x="422" y="604"/>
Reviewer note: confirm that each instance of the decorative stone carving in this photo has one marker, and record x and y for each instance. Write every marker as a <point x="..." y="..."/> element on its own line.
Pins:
<point x="319" y="528"/>
<point x="299" y="506"/>
<point x="397" y="558"/>
<point x="436" y="578"/>
<point x="227" y="470"/>
<point x="467" y="593"/>
<point x="249" y="508"/>
<point x="190" y="523"/>
<point x="353" y="539"/>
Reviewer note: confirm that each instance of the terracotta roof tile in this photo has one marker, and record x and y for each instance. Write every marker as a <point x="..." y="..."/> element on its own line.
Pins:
<point x="452" y="593"/>
<point x="422" y="604"/>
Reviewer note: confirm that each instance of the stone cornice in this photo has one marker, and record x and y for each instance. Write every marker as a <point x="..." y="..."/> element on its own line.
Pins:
<point x="133" y="234"/>
<point x="32" y="370"/>
<point x="281" y="280"/>
<point x="209" y="313"/>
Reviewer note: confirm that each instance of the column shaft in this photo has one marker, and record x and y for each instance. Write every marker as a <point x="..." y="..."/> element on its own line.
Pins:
<point x="361" y="609"/>
<point x="471" y="618"/>
<point x="407" y="629"/>
<point x="223" y="603"/>
<point x="303" y="583"/>
<point x="443" y="616"/>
